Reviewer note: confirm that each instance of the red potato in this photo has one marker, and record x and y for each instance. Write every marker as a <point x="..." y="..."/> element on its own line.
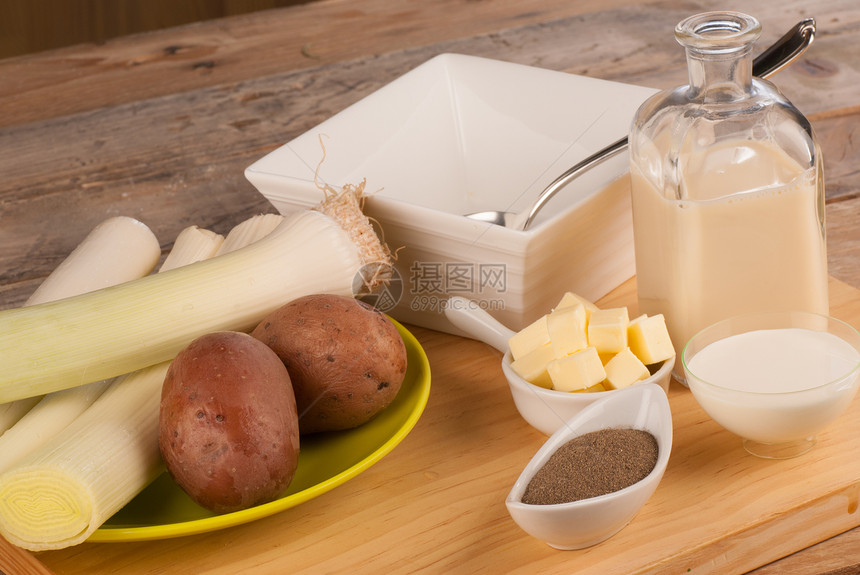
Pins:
<point x="228" y="427"/>
<point x="346" y="359"/>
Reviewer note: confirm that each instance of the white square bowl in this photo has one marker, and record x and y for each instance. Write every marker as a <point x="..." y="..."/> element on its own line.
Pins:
<point x="461" y="134"/>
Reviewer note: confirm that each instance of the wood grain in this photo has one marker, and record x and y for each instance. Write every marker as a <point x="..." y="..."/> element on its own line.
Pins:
<point x="17" y="561"/>
<point x="25" y="29"/>
<point x="161" y="126"/>
<point x="247" y="47"/>
<point x="178" y="158"/>
<point x="436" y="503"/>
<point x="611" y="38"/>
<point x="835" y="556"/>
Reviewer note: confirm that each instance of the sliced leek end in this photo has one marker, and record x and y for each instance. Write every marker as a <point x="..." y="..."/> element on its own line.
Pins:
<point x="43" y="508"/>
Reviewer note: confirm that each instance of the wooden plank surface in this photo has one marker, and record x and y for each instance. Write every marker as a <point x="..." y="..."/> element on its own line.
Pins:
<point x="161" y="126"/>
<point x="436" y="503"/>
<point x="17" y="561"/>
<point x="179" y="155"/>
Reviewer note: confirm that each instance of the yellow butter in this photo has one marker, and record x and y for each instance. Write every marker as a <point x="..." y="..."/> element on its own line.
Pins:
<point x="607" y="329"/>
<point x="624" y="369"/>
<point x="593" y="389"/>
<point x="649" y="339"/>
<point x="605" y="357"/>
<point x="529" y="338"/>
<point x="577" y="371"/>
<point x="567" y="329"/>
<point x="570" y="298"/>
<point x="532" y="367"/>
<point x="640" y="318"/>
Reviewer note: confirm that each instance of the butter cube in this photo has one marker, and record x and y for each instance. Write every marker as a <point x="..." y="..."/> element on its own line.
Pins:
<point x="640" y="318"/>
<point x="649" y="340"/>
<point x="624" y="369"/>
<point x="566" y="327"/>
<point x="570" y="298"/>
<point x="529" y="338"/>
<point x="594" y="388"/>
<point x="607" y="329"/>
<point x="532" y="367"/>
<point x="577" y="371"/>
<point x="605" y="357"/>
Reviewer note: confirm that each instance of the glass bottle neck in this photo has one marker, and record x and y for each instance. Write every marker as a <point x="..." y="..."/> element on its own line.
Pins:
<point x="719" y="54"/>
<point x="720" y="77"/>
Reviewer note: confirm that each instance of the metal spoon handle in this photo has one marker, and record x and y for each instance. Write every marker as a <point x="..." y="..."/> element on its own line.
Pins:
<point x="791" y="45"/>
<point x="572" y="173"/>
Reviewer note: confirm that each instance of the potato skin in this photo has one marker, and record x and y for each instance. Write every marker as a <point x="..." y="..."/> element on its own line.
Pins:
<point x="346" y="359"/>
<point x="228" y="427"/>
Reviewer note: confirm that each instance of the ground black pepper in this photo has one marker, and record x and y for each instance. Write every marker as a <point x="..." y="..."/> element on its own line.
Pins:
<point x="593" y="464"/>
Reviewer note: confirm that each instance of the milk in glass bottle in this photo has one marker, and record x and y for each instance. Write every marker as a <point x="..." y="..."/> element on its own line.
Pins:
<point x="727" y="190"/>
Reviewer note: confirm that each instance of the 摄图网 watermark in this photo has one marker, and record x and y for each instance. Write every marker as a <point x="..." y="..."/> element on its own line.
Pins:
<point x="431" y="284"/>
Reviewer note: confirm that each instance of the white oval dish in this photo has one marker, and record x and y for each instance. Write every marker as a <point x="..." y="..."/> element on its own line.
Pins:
<point x="544" y="409"/>
<point x="587" y="522"/>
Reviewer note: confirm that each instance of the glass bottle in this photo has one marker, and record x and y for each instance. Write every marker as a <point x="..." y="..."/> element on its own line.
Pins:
<point x="727" y="190"/>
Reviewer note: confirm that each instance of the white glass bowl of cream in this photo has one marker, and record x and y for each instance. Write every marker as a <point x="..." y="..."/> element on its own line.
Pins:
<point x="776" y="379"/>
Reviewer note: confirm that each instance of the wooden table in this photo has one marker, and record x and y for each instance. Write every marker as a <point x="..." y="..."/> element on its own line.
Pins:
<point x="160" y="126"/>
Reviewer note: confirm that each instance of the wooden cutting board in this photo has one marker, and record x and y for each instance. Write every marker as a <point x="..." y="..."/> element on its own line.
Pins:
<point x="436" y="503"/>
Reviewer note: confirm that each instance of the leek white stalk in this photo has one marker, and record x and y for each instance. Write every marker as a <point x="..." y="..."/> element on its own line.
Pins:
<point x="56" y="410"/>
<point x="120" y="329"/>
<point x="12" y="411"/>
<point x="51" y="414"/>
<point x="117" y="250"/>
<point x="61" y="493"/>
<point x="66" y="489"/>
<point x="249" y="231"/>
<point x="193" y="244"/>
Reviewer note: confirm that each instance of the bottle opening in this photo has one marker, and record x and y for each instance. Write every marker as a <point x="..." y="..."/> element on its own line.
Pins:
<point x="718" y="31"/>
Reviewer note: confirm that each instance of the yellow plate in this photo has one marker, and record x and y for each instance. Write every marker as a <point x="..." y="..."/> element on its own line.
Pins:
<point x="326" y="460"/>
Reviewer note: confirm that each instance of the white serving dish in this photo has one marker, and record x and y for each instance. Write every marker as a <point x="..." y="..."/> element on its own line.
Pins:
<point x="546" y="410"/>
<point x="460" y="134"/>
<point x="587" y="522"/>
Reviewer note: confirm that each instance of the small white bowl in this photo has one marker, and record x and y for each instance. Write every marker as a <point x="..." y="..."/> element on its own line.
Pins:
<point x="460" y="134"/>
<point x="546" y="410"/>
<point x="584" y="523"/>
<point x="775" y="399"/>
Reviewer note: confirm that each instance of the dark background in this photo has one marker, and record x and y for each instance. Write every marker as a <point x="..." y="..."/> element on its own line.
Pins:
<point x="28" y="26"/>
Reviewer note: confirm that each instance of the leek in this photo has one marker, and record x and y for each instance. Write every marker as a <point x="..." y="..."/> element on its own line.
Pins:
<point x="56" y="410"/>
<point x="192" y="245"/>
<point x="120" y="329"/>
<point x="65" y="490"/>
<point x="117" y="250"/>
<point x="12" y="411"/>
<point x="46" y="419"/>
<point x="250" y="231"/>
